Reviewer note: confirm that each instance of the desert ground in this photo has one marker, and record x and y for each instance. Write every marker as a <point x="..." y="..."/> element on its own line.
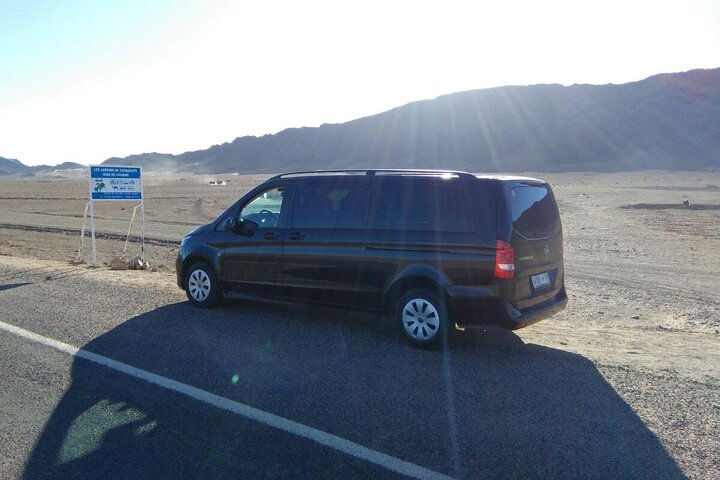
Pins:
<point x="642" y="274"/>
<point x="631" y="248"/>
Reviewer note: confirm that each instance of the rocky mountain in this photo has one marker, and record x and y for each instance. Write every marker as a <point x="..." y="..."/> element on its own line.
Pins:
<point x="667" y="121"/>
<point x="11" y="166"/>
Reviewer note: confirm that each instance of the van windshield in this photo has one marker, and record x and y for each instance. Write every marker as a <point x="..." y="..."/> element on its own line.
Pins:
<point x="534" y="212"/>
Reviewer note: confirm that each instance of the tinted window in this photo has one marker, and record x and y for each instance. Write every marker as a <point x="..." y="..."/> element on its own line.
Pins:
<point x="421" y="206"/>
<point x="330" y="205"/>
<point x="534" y="212"/>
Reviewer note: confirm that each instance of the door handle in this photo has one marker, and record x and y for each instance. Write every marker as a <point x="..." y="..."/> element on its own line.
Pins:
<point x="270" y="236"/>
<point x="297" y="236"/>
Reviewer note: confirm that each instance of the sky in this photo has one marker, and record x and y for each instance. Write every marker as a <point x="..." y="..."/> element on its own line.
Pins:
<point x="84" y="81"/>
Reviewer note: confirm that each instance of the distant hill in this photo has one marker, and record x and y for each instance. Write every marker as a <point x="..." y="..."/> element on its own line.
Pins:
<point x="10" y="166"/>
<point x="667" y="121"/>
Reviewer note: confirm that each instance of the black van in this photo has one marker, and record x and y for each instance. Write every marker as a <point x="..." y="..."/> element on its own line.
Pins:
<point x="435" y="249"/>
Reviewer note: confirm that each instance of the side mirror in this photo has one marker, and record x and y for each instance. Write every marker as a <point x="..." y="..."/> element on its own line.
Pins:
<point x="243" y="227"/>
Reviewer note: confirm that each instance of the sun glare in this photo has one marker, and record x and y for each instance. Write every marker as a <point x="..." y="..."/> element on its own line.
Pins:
<point x="231" y="69"/>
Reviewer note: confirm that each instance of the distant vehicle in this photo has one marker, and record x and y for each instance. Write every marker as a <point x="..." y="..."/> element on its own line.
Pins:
<point x="434" y="249"/>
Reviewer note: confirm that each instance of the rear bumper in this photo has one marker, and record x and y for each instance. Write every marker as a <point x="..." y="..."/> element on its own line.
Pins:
<point x="518" y="318"/>
<point x="485" y="307"/>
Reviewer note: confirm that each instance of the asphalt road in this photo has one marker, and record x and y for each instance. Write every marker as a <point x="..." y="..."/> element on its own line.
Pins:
<point x="488" y="406"/>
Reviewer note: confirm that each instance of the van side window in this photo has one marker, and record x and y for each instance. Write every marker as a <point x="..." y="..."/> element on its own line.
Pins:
<point x="330" y="205"/>
<point x="421" y="207"/>
<point x="263" y="211"/>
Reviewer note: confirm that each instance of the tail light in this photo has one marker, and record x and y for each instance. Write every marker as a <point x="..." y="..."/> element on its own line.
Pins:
<point x="504" y="260"/>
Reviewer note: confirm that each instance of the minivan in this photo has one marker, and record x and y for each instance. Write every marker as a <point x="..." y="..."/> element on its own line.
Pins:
<point x="433" y="249"/>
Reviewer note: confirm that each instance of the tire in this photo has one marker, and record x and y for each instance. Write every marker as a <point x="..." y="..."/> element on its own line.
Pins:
<point x="422" y="318"/>
<point x="201" y="285"/>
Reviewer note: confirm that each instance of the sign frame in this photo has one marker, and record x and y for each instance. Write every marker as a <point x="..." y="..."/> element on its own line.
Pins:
<point x="124" y="183"/>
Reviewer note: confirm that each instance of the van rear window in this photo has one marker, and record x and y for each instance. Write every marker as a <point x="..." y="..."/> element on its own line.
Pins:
<point x="534" y="212"/>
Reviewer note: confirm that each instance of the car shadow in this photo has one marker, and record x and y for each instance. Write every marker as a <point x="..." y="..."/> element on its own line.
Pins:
<point x="486" y="406"/>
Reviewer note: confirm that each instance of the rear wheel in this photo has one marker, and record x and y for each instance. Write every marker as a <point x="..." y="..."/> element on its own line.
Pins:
<point x="201" y="285"/>
<point x="422" y="318"/>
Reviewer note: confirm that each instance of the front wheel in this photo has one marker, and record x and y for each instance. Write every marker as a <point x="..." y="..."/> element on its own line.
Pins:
<point x="201" y="286"/>
<point x="422" y="318"/>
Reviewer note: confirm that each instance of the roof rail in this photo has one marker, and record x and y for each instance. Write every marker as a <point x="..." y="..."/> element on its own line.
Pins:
<point x="373" y="172"/>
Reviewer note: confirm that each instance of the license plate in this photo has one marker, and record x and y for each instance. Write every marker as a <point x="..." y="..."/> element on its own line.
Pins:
<point x="540" y="280"/>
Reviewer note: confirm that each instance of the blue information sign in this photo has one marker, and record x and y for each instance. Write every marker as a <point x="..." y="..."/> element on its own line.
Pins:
<point x="115" y="183"/>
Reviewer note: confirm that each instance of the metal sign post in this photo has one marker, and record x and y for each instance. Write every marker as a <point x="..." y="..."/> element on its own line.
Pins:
<point x="116" y="183"/>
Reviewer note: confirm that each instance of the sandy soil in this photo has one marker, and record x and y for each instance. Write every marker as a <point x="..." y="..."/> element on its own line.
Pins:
<point x="631" y="249"/>
<point x="636" y="260"/>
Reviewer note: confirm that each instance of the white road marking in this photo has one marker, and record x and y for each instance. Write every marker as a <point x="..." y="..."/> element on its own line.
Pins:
<point x="329" y="440"/>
